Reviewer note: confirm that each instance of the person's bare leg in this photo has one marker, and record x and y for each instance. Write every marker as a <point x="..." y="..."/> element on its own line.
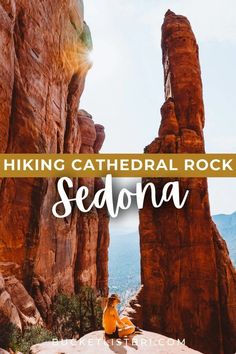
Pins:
<point x="128" y="330"/>
<point x="127" y="321"/>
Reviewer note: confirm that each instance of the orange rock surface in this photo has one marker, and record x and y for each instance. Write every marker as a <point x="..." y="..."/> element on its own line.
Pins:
<point x="43" y="68"/>
<point x="189" y="282"/>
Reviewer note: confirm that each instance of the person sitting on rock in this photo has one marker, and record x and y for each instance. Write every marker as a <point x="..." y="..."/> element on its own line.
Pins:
<point x="114" y="326"/>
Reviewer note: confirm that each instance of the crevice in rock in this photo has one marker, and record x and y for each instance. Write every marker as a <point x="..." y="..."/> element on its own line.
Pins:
<point x="32" y="237"/>
<point x="72" y="103"/>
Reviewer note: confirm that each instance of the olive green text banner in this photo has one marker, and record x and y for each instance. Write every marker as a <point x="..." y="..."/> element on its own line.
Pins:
<point x="118" y="165"/>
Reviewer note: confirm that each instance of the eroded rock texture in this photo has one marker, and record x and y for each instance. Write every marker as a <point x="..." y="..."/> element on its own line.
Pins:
<point x="93" y="226"/>
<point x="189" y="282"/>
<point x="43" y="65"/>
<point x="16" y="304"/>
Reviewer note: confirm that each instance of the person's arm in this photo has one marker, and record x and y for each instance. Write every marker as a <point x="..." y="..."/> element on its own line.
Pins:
<point x="118" y="320"/>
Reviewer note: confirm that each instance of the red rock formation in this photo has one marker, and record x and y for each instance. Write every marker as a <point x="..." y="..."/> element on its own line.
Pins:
<point x="189" y="282"/>
<point x="43" y="68"/>
<point x="16" y="305"/>
<point x="92" y="227"/>
<point x="102" y="245"/>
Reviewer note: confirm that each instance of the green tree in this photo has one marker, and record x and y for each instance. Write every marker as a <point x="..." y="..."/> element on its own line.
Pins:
<point x="12" y="337"/>
<point x="76" y="315"/>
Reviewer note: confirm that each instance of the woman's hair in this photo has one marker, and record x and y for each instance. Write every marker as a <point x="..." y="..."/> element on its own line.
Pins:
<point x="111" y="299"/>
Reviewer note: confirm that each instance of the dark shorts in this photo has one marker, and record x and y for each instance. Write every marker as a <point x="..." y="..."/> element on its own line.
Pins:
<point x="113" y="335"/>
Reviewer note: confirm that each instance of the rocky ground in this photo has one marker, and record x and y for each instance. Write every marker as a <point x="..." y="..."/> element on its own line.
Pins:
<point x="94" y="343"/>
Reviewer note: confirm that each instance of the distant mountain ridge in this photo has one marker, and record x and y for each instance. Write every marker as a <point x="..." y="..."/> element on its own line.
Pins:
<point x="124" y="256"/>
<point x="124" y="265"/>
<point x="227" y="227"/>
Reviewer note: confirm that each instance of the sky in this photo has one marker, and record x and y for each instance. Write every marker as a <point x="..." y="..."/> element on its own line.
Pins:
<point x="124" y="89"/>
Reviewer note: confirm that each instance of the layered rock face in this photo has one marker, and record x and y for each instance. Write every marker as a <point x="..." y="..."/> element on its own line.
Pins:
<point x="43" y="66"/>
<point x="93" y="226"/>
<point x="189" y="282"/>
<point x="16" y="304"/>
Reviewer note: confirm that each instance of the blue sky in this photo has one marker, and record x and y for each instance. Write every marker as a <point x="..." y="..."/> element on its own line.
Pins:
<point x="124" y="89"/>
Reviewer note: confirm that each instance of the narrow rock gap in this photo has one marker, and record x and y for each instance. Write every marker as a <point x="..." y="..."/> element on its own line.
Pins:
<point x="72" y="100"/>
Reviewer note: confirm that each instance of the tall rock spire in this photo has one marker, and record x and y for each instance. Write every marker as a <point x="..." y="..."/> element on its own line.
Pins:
<point x="182" y="73"/>
<point x="189" y="282"/>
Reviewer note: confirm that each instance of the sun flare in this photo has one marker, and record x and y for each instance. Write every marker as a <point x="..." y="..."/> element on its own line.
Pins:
<point x="90" y="57"/>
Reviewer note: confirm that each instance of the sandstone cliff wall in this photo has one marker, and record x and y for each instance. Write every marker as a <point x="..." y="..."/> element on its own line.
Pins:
<point x="43" y="65"/>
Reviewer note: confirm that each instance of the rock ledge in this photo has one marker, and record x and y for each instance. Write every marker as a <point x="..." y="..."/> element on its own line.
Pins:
<point x="95" y="343"/>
